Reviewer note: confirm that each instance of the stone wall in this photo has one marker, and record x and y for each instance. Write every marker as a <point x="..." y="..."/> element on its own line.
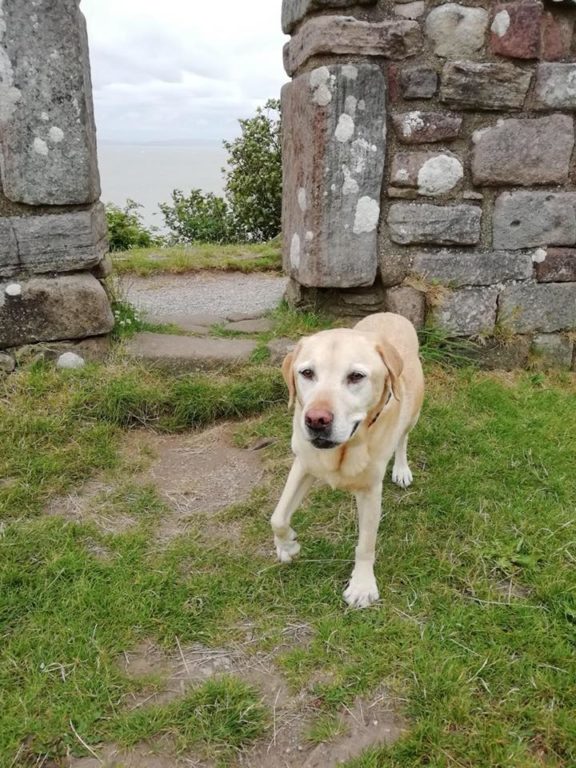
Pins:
<point x="429" y="166"/>
<point x="53" y="234"/>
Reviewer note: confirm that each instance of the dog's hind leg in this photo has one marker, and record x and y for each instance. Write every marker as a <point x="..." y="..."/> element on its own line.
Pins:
<point x="297" y="486"/>
<point x="401" y="472"/>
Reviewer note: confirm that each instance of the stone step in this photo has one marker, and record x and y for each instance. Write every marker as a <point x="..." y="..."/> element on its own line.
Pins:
<point x="189" y="353"/>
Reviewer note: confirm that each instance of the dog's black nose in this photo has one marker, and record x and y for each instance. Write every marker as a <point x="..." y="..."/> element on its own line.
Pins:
<point x="318" y="419"/>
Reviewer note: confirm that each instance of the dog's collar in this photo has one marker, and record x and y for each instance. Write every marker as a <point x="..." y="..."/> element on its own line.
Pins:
<point x="375" y="419"/>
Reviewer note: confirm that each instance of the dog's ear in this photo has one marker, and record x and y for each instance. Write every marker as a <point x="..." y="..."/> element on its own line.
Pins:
<point x="394" y="363"/>
<point x="288" y="373"/>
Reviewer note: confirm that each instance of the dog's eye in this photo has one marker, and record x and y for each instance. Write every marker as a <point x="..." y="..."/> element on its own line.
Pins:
<point x="355" y="377"/>
<point x="307" y="373"/>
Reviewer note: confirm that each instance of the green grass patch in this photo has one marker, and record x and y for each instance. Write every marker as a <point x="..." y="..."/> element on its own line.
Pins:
<point x="260" y="257"/>
<point x="475" y="633"/>
<point x="220" y="716"/>
<point x="58" y="428"/>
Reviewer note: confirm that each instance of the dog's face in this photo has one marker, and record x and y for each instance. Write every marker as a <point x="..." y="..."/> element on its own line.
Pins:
<point x="339" y="378"/>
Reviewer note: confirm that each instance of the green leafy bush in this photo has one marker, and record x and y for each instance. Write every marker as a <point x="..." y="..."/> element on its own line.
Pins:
<point x="254" y="179"/>
<point x="199" y="218"/>
<point x="126" y="229"/>
<point x="251" y="208"/>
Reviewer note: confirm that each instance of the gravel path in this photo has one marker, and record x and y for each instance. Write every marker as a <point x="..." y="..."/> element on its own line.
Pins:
<point x="215" y="293"/>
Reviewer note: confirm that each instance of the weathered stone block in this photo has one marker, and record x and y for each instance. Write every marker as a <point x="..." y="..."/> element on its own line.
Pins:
<point x="187" y="353"/>
<point x="558" y="266"/>
<point x="346" y="35"/>
<point x="437" y="224"/>
<point x="418" y="82"/>
<point x="456" y="30"/>
<point x="545" y="307"/>
<point x="293" y="11"/>
<point x="60" y="242"/>
<point x="500" y="355"/>
<point x="48" y="139"/>
<point x="431" y="173"/>
<point x="524" y="151"/>
<point x="556" y="86"/>
<point x="333" y="155"/>
<point x="412" y="10"/>
<point x="50" y="308"/>
<point x="516" y="29"/>
<point x="552" y="350"/>
<point x="555" y="36"/>
<point x="395" y="264"/>
<point x="467" y="311"/>
<point x="426" y="127"/>
<point x="7" y="363"/>
<point x="471" y="267"/>
<point x="530" y="219"/>
<point x="408" y="302"/>
<point x="484" y="85"/>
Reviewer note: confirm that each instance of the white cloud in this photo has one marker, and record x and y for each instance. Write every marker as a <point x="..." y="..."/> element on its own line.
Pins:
<point x="169" y="70"/>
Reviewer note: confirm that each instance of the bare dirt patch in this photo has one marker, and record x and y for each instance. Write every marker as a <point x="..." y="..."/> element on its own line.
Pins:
<point x="369" y="722"/>
<point x="195" y="474"/>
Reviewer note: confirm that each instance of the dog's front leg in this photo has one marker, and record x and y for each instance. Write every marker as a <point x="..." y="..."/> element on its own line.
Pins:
<point x="297" y="486"/>
<point x="363" y="590"/>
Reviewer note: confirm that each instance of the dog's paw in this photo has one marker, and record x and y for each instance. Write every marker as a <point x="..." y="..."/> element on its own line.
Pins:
<point x="361" y="593"/>
<point x="287" y="549"/>
<point x="402" y="476"/>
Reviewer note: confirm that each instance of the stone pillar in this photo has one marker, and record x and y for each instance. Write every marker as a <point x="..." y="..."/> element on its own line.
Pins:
<point x="467" y="195"/>
<point x="52" y="227"/>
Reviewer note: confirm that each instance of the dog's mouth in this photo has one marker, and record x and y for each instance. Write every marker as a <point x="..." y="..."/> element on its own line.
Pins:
<point x="323" y="443"/>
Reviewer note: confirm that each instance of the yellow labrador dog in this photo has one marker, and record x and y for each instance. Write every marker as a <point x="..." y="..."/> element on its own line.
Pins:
<point x="357" y="394"/>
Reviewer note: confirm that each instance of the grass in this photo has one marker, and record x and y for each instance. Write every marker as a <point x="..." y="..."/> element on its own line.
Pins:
<point x="261" y="257"/>
<point x="474" y="635"/>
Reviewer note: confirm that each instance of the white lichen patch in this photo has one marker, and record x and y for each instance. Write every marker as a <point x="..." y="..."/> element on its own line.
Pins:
<point x="295" y="251"/>
<point x="309" y="236"/>
<point x="44" y="117"/>
<point x="350" y="71"/>
<point x="359" y="155"/>
<point x="55" y="134"/>
<point x="412" y="122"/>
<point x="302" y="199"/>
<point x="350" y="186"/>
<point x="39" y="146"/>
<point x="13" y="289"/>
<point x="321" y="82"/>
<point x="539" y="255"/>
<point x="361" y="105"/>
<point x="367" y="215"/>
<point x="350" y="105"/>
<point x="501" y="23"/>
<point x="439" y="175"/>
<point x="345" y="129"/>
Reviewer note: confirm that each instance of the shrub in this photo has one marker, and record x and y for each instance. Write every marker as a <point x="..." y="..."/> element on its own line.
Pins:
<point x="251" y="209"/>
<point x="254" y="181"/>
<point x="126" y="229"/>
<point x="204" y="218"/>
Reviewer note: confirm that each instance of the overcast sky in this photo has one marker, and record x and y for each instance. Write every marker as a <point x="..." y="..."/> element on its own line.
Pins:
<point x="181" y="69"/>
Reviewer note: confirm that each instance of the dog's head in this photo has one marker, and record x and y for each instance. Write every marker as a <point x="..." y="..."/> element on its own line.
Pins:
<point x="340" y="379"/>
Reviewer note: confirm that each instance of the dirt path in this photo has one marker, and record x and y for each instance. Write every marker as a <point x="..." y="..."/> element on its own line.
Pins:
<point x="185" y="469"/>
<point x="217" y="293"/>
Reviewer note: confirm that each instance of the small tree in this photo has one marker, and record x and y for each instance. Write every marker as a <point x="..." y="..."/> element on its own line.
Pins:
<point x="199" y="217"/>
<point x="254" y="178"/>
<point x="126" y="229"/>
<point x="251" y="210"/>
